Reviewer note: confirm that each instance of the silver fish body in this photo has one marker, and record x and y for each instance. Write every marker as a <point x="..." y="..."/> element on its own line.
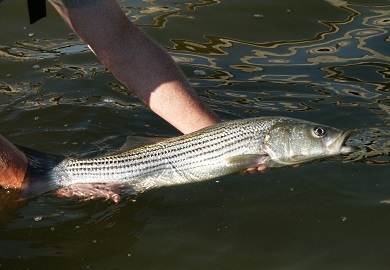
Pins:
<point x="208" y="153"/>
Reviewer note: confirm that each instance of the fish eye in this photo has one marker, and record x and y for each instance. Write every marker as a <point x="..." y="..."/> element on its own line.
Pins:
<point x="319" y="131"/>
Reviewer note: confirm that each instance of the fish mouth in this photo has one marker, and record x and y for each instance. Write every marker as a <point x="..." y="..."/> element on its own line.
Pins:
<point x="340" y="144"/>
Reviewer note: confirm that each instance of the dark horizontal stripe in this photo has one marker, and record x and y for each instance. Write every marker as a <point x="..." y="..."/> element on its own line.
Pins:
<point x="186" y="153"/>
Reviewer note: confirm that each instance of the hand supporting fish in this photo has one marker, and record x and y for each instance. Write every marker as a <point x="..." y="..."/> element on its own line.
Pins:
<point x="90" y="191"/>
<point x="214" y="151"/>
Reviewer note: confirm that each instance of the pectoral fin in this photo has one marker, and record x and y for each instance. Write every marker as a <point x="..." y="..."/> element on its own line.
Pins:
<point x="246" y="161"/>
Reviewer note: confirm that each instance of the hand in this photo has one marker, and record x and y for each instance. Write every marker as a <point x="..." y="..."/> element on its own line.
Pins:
<point x="261" y="168"/>
<point x="13" y="165"/>
<point x="92" y="191"/>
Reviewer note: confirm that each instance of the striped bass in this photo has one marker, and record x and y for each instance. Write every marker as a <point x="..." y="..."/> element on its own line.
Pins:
<point x="211" y="152"/>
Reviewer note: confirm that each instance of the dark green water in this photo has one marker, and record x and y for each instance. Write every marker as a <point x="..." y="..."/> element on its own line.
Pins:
<point x="324" y="61"/>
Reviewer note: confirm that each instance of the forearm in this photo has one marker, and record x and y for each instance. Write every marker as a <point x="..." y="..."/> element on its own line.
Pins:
<point x="140" y="64"/>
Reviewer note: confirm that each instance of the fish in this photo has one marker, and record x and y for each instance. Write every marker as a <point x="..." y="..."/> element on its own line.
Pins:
<point x="211" y="152"/>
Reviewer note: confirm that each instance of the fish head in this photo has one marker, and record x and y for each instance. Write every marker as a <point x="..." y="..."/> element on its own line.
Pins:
<point x="293" y="141"/>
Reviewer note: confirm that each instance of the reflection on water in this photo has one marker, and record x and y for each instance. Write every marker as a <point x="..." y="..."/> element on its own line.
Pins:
<point x="324" y="61"/>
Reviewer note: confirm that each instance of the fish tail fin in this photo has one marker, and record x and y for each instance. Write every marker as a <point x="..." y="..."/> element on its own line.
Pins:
<point x="40" y="177"/>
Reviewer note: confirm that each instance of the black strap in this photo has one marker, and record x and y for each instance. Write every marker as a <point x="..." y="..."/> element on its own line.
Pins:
<point x="36" y="10"/>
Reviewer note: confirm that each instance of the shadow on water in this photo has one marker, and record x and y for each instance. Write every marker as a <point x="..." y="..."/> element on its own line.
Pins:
<point x="324" y="61"/>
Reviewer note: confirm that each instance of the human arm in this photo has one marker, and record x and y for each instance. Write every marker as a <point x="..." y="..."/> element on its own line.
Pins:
<point x="13" y="165"/>
<point x="139" y="62"/>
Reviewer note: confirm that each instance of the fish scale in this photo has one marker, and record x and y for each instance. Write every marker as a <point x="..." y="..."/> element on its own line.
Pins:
<point x="192" y="157"/>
